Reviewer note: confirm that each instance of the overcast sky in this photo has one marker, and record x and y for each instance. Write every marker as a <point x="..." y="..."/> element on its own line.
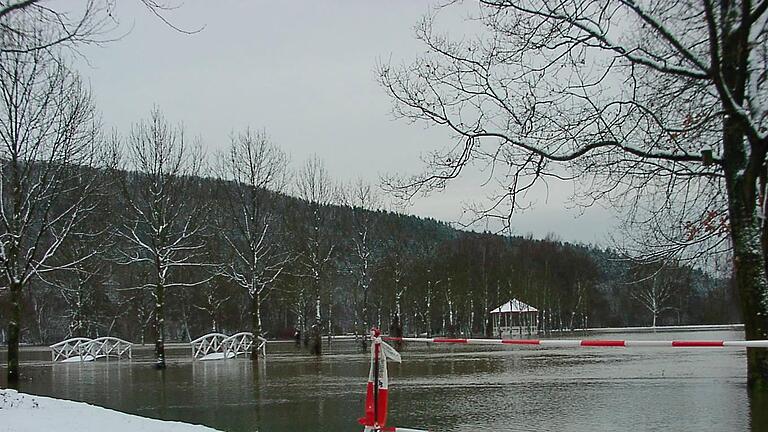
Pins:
<point x="304" y="72"/>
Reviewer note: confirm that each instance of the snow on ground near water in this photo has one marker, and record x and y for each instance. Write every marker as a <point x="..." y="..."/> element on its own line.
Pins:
<point x="20" y="412"/>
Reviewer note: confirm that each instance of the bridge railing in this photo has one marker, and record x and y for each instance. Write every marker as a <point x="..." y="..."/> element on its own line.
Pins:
<point x="85" y="349"/>
<point x="111" y="347"/>
<point x="219" y="346"/>
<point x="71" y="348"/>
<point x="237" y="344"/>
<point x="207" y="344"/>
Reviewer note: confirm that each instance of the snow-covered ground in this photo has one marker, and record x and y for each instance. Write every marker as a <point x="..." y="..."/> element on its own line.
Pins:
<point x="20" y="412"/>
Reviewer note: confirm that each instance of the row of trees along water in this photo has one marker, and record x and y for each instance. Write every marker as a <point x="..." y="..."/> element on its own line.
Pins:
<point x="226" y="255"/>
<point x="144" y="237"/>
<point x="139" y="235"/>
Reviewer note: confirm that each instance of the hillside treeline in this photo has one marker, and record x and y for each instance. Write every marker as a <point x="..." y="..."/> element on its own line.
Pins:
<point x="380" y="269"/>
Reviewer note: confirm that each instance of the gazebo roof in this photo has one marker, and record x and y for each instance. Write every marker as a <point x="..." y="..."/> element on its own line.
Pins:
<point x="514" y="306"/>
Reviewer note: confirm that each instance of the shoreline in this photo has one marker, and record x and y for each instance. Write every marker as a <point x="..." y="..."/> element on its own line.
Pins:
<point x="596" y="330"/>
<point x="23" y="412"/>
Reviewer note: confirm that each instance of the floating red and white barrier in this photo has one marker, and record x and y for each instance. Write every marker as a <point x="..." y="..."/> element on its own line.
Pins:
<point x="391" y="429"/>
<point x="604" y="343"/>
<point x="377" y="392"/>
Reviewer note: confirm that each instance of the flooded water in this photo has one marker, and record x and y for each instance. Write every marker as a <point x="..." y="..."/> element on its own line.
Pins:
<point x="442" y="388"/>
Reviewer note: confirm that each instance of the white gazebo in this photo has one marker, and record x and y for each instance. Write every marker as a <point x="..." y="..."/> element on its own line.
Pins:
<point x="513" y="317"/>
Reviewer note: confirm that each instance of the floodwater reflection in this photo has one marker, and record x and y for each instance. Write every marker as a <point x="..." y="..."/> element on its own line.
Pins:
<point x="443" y="388"/>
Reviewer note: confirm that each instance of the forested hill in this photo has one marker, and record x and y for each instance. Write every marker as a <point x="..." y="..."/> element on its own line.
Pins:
<point x="354" y="267"/>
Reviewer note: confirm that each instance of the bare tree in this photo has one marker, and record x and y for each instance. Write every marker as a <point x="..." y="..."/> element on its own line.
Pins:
<point x="656" y="287"/>
<point x="396" y="265"/>
<point x="258" y="171"/>
<point x="654" y="295"/>
<point x="657" y="104"/>
<point x="314" y="186"/>
<point x="214" y="300"/>
<point x="49" y="146"/>
<point x="30" y="25"/>
<point x="364" y="202"/>
<point x="80" y="297"/>
<point x="82" y="286"/>
<point x="165" y="221"/>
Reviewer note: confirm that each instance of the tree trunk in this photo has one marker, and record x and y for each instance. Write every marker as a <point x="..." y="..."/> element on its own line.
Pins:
<point x="749" y="269"/>
<point x="330" y="315"/>
<point x="364" y="320"/>
<point x="750" y="276"/>
<point x="749" y="273"/>
<point x="429" y="309"/>
<point x="316" y="342"/>
<point x="742" y="164"/>
<point x="255" y="324"/>
<point x="160" y="326"/>
<point x="396" y="330"/>
<point x="14" y="336"/>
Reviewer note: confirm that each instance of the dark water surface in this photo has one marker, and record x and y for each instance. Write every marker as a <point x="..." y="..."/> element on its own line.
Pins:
<point x="443" y="388"/>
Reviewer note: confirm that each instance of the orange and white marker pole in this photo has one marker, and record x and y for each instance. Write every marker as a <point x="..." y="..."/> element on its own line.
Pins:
<point x="377" y="391"/>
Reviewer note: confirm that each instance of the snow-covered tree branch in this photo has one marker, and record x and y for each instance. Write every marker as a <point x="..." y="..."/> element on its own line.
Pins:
<point x="364" y="202"/>
<point x="256" y="171"/>
<point x="316" y="241"/>
<point x="654" y="106"/>
<point x="164" y="228"/>
<point x="50" y="152"/>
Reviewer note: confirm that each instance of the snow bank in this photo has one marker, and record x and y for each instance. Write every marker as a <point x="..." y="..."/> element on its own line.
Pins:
<point x="20" y="412"/>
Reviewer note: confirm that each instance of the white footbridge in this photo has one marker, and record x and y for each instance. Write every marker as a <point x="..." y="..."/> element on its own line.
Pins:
<point x="84" y="349"/>
<point x="218" y="346"/>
